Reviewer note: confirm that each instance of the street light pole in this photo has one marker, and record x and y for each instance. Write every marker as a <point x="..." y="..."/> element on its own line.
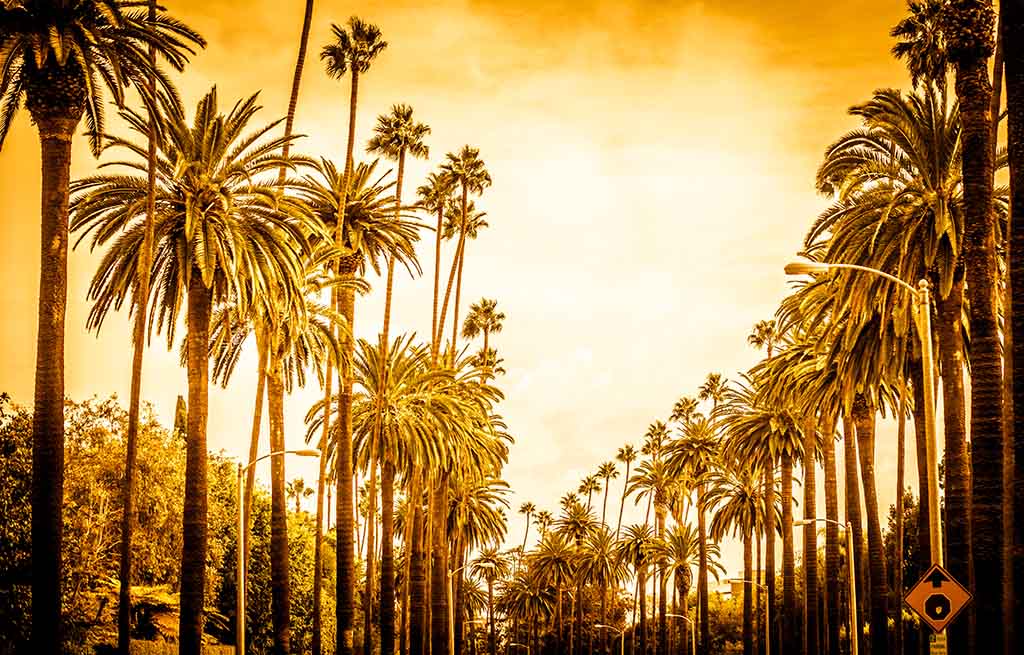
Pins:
<point x="451" y="609"/>
<point x="923" y="322"/>
<point x="693" y="631"/>
<point x="243" y="538"/>
<point x="852" y="582"/>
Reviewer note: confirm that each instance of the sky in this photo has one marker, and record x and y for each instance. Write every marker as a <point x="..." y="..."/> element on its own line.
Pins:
<point x="653" y="167"/>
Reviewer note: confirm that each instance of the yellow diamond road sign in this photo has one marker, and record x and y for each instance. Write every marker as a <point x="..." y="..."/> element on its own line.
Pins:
<point x="937" y="598"/>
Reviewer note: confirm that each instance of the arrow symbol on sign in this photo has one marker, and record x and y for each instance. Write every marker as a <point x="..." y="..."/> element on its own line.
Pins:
<point x="937" y="578"/>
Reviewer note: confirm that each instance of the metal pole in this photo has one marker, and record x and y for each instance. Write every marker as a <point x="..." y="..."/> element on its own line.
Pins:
<point x="767" y="621"/>
<point x="851" y="558"/>
<point x="240" y="573"/>
<point x="451" y="613"/>
<point x="924" y="328"/>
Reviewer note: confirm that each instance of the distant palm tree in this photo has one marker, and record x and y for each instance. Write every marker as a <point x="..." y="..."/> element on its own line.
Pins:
<point x="588" y="486"/>
<point x="681" y="550"/>
<point x="608" y="471"/>
<point x="492" y="566"/>
<point x="555" y="563"/>
<point x="297" y="490"/>
<point x="467" y="171"/>
<point x="57" y="59"/>
<point x="544" y="519"/>
<point x="352" y="51"/>
<point x="601" y="568"/>
<point x="627" y="455"/>
<point x="528" y="510"/>
<point x="485" y="319"/>
<point x="920" y="41"/>
<point x="434" y="196"/>
<point x="637" y="549"/>
<point x="247" y="248"/>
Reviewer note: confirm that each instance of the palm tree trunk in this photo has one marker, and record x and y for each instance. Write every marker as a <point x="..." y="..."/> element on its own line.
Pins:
<point x="492" y="637"/>
<point x="662" y="648"/>
<point x="897" y="563"/>
<point x="790" y="635"/>
<point x="558" y="621"/>
<point x="979" y="252"/>
<point x="318" y="543"/>
<point x="435" y="330"/>
<point x="810" y="632"/>
<point x="439" y="571"/>
<point x="371" y="551"/>
<point x="643" y="610"/>
<point x="55" y="134"/>
<point x="254" y="439"/>
<point x="1013" y="55"/>
<point x="769" y="558"/>
<point x="758" y="625"/>
<point x="958" y="475"/>
<point x="864" y="419"/>
<point x="448" y="291"/>
<point x="279" y="558"/>
<point x="417" y="579"/>
<point x="702" y="572"/>
<point x="461" y="255"/>
<point x="622" y="505"/>
<point x="345" y="610"/>
<point x="124" y="604"/>
<point x="387" y="560"/>
<point x="194" y="531"/>
<point x="300" y="62"/>
<point x="832" y="544"/>
<point x="748" y="574"/>
<point x="853" y="517"/>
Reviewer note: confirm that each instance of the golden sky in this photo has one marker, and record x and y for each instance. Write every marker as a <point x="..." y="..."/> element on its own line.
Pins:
<point x="653" y="167"/>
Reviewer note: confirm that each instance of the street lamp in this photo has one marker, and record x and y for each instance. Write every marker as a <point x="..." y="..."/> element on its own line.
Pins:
<point x="767" y="610"/>
<point x="923" y="321"/>
<point x="851" y="558"/>
<point x="622" y="635"/>
<point x="451" y="608"/>
<point x="243" y="537"/>
<point x="516" y="643"/>
<point x="693" y="631"/>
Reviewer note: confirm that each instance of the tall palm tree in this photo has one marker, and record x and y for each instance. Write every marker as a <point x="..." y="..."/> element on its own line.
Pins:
<point x="602" y="569"/>
<point x="588" y="486"/>
<point x="735" y="493"/>
<point x="576" y="523"/>
<point x="245" y="250"/>
<point x="544" y="520"/>
<point x="555" y="563"/>
<point x="58" y="59"/>
<point x="491" y="565"/>
<point x="637" y="548"/>
<point x="352" y="50"/>
<point x="627" y="455"/>
<point x="467" y="171"/>
<point x="1013" y="27"/>
<point x="293" y="337"/>
<point x="920" y="41"/>
<point x="527" y="509"/>
<point x="680" y="547"/>
<point x="485" y="319"/>
<point x="608" y="472"/>
<point x="434" y="197"/>
<point x="396" y="135"/>
<point x="693" y="454"/>
<point x="968" y="26"/>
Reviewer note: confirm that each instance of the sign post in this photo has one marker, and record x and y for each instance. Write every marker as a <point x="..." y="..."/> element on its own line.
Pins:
<point x="937" y="598"/>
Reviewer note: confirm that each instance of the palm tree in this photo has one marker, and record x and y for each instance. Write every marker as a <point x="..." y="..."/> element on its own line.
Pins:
<point x="576" y="523"/>
<point x="244" y="250"/>
<point x="588" y="486"/>
<point x="1013" y="23"/>
<point x="57" y="60"/>
<point x="600" y="567"/>
<point x="637" y="548"/>
<point x="544" y="520"/>
<point x="297" y="490"/>
<point x="492" y="566"/>
<point x="693" y="454"/>
<point x="352" y="51"/>
<point x="434" y="197"/>
<point x="483" y="318"/>
<point x="765" y="335"/>
<point x="467" y="171"/>
<point x="968" y="28"/>
<point x="681" y="550"/>
<point x="528" y="510"/>
<point x="608" y="471"/>
<point x="920" y="41"/>
<point x="555" y="563"/>
<point x="736" y="495"/>
<point x="627" y="455"/>
<point x="396" y="135"/>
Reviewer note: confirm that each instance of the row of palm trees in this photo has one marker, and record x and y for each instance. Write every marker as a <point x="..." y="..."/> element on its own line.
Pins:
<point x="220" y="216"/>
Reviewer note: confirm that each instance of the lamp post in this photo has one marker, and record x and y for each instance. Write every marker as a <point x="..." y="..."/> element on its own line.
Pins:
<point x="516" y="643"/>
<point x="693" y="631"/>
<point x="851" y="558"/>
<point x="451" y="609"/>
<point x="243" y="537"/>
<point x="767" y="610"/>
<point x="923" y="322"/>
<point x="622" y="635"/>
